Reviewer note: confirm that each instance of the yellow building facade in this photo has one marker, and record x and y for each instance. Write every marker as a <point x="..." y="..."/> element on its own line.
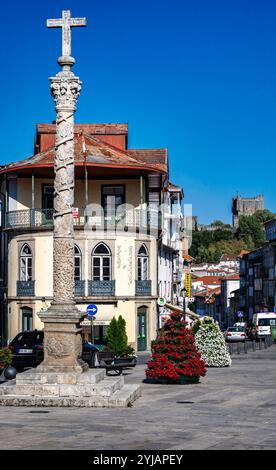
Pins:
<point x="117" y="231"/>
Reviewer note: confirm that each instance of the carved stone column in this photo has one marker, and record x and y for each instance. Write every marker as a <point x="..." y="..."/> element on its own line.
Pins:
<point x="62" y="341"/>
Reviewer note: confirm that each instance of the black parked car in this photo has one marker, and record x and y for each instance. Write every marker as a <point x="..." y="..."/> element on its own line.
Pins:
<point x="27" y="349"/>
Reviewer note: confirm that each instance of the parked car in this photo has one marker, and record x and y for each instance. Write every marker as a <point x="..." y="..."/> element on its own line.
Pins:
<point x="235" y="333"/>
<point x="27" y="349"/>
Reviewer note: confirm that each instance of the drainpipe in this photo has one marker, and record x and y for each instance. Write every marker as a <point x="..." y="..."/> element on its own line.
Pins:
<point x="85" y="176"/>
<point x="33" y="200"/>
<point x="141" y="191"/>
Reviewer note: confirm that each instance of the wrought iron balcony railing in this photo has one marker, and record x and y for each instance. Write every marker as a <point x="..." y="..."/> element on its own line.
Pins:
<point x="143" y="288"/>
<point x="79" y="288"/>
<point x="29" y="218"/>
<point x="98" y="288"/>
<point x="25" y="288"/>
<point x="136" y="218"/>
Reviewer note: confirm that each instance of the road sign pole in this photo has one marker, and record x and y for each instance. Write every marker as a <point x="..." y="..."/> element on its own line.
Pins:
<point x="92" y="330"/>
<point x="91" y="312"/>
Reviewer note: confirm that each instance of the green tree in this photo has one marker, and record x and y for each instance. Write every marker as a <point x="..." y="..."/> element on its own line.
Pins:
<point x="264" y="215"/>
<point x="112" y="336"/>
<point x="251" y="231"/>
<point x="117" y="340"/>
<point x="217" y="223"/>
<point x="123" y="340"/>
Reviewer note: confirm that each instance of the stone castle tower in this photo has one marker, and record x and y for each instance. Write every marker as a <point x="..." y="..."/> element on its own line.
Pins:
<point x="246" y="206"/>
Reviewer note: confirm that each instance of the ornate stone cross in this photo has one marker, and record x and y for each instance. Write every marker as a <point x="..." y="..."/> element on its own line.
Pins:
<point x="62" y="332"/>
<point x="66" y="23"/>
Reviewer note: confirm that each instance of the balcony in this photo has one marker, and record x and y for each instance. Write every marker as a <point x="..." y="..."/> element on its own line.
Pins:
<point x="79" y="288"/>
<point x="101" y="288"/>
<point x="130" y="219"/>
<point x="25" y="288"/>
<point x="29" y="218"/>
<point x="143" y="288"/>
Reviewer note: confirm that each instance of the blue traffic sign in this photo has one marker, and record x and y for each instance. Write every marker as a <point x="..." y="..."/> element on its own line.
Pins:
<point x="240" y="314"/>
<point x="91" y="310"/>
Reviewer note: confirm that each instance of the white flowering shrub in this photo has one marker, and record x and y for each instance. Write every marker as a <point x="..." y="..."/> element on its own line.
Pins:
<point x="211" y="344"/>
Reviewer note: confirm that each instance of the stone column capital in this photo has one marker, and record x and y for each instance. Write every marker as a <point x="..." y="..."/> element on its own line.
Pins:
<point x="65" y="89"/>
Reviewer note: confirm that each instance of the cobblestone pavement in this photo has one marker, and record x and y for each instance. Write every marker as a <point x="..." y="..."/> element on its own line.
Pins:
<point x="232" y="408"/>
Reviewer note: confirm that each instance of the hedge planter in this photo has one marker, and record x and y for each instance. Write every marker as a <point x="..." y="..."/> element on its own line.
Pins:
<point x="186" y="379"/>
<point x="183" y="380"/>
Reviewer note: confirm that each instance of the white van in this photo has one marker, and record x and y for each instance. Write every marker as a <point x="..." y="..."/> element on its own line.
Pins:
<point x="262" y="322"/>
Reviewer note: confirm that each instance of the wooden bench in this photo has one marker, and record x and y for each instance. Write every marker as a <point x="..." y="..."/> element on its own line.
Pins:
<point x="110" y="362"/>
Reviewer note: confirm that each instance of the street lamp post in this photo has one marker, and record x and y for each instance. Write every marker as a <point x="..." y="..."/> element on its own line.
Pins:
<point x="183" y="292"/>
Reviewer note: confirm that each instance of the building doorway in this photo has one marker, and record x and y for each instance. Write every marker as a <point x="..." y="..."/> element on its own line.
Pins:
<point x="27" y="319"/>
<point x="142" y="329"/>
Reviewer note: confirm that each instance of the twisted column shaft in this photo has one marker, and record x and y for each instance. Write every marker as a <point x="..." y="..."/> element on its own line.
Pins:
<point x="65" y="88"/>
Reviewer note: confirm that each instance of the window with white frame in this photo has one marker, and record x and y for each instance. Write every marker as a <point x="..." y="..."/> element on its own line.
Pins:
<point x="143" y="264"/>
<point x="26" y="263"/>
<point x="101" y="263"/>
<point x="77" y="253"/>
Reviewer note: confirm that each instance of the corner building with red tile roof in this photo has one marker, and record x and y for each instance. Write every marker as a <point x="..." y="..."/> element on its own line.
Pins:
<point x="118" y="222"/>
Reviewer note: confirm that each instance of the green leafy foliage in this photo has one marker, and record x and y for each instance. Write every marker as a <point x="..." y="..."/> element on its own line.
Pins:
<point x="117" y="340"/>
<point x="251" y="231"/>
<point x="191" y="306"/>
<point x="208" y="246"/>
<point x="5" y="357"/>
<point x="195" y="327"/>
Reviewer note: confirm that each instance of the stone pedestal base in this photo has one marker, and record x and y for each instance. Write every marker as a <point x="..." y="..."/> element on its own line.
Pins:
<point x="62" y="339"/>
<point x="88" y="389"/>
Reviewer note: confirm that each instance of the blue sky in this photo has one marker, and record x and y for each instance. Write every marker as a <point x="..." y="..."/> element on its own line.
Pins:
<point x="197" y="76"/>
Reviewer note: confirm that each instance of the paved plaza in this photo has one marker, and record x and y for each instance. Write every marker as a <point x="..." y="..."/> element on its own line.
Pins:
<point x="232" y="408"/>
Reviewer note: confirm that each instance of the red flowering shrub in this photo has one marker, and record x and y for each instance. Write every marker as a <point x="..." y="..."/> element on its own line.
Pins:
<point x="175" y="353"/>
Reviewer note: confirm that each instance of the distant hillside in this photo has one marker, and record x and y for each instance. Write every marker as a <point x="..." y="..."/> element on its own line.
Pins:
<point x="210" y="245"/>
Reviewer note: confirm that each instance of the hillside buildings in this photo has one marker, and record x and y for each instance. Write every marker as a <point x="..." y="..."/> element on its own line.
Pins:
<point x="258" y="276"/>
<point x="214" y="286"/>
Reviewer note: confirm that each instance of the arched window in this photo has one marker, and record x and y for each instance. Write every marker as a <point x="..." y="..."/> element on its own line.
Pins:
<point x="26" y="263"/>
<point x="101" y="263"/>
<point x="78" y="273"/>
<point x="143" y="264"/>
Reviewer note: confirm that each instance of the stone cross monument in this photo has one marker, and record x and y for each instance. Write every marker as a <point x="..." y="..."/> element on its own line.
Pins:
<point x="63" y="379"/>
<point x="62" y="343"/>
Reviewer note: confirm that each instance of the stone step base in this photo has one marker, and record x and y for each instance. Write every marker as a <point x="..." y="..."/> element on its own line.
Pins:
<point x="34" y="376"/>
<point x="120" y="398"/>
<point x="92" y="388"/>
<point x="105" y="388"/>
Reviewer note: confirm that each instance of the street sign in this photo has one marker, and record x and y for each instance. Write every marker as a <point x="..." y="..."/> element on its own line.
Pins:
<point x="91" y="310"/>
<point x="161" y="301"/>
<point x="240" y="314"/>
<point x="188" y="284"/>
